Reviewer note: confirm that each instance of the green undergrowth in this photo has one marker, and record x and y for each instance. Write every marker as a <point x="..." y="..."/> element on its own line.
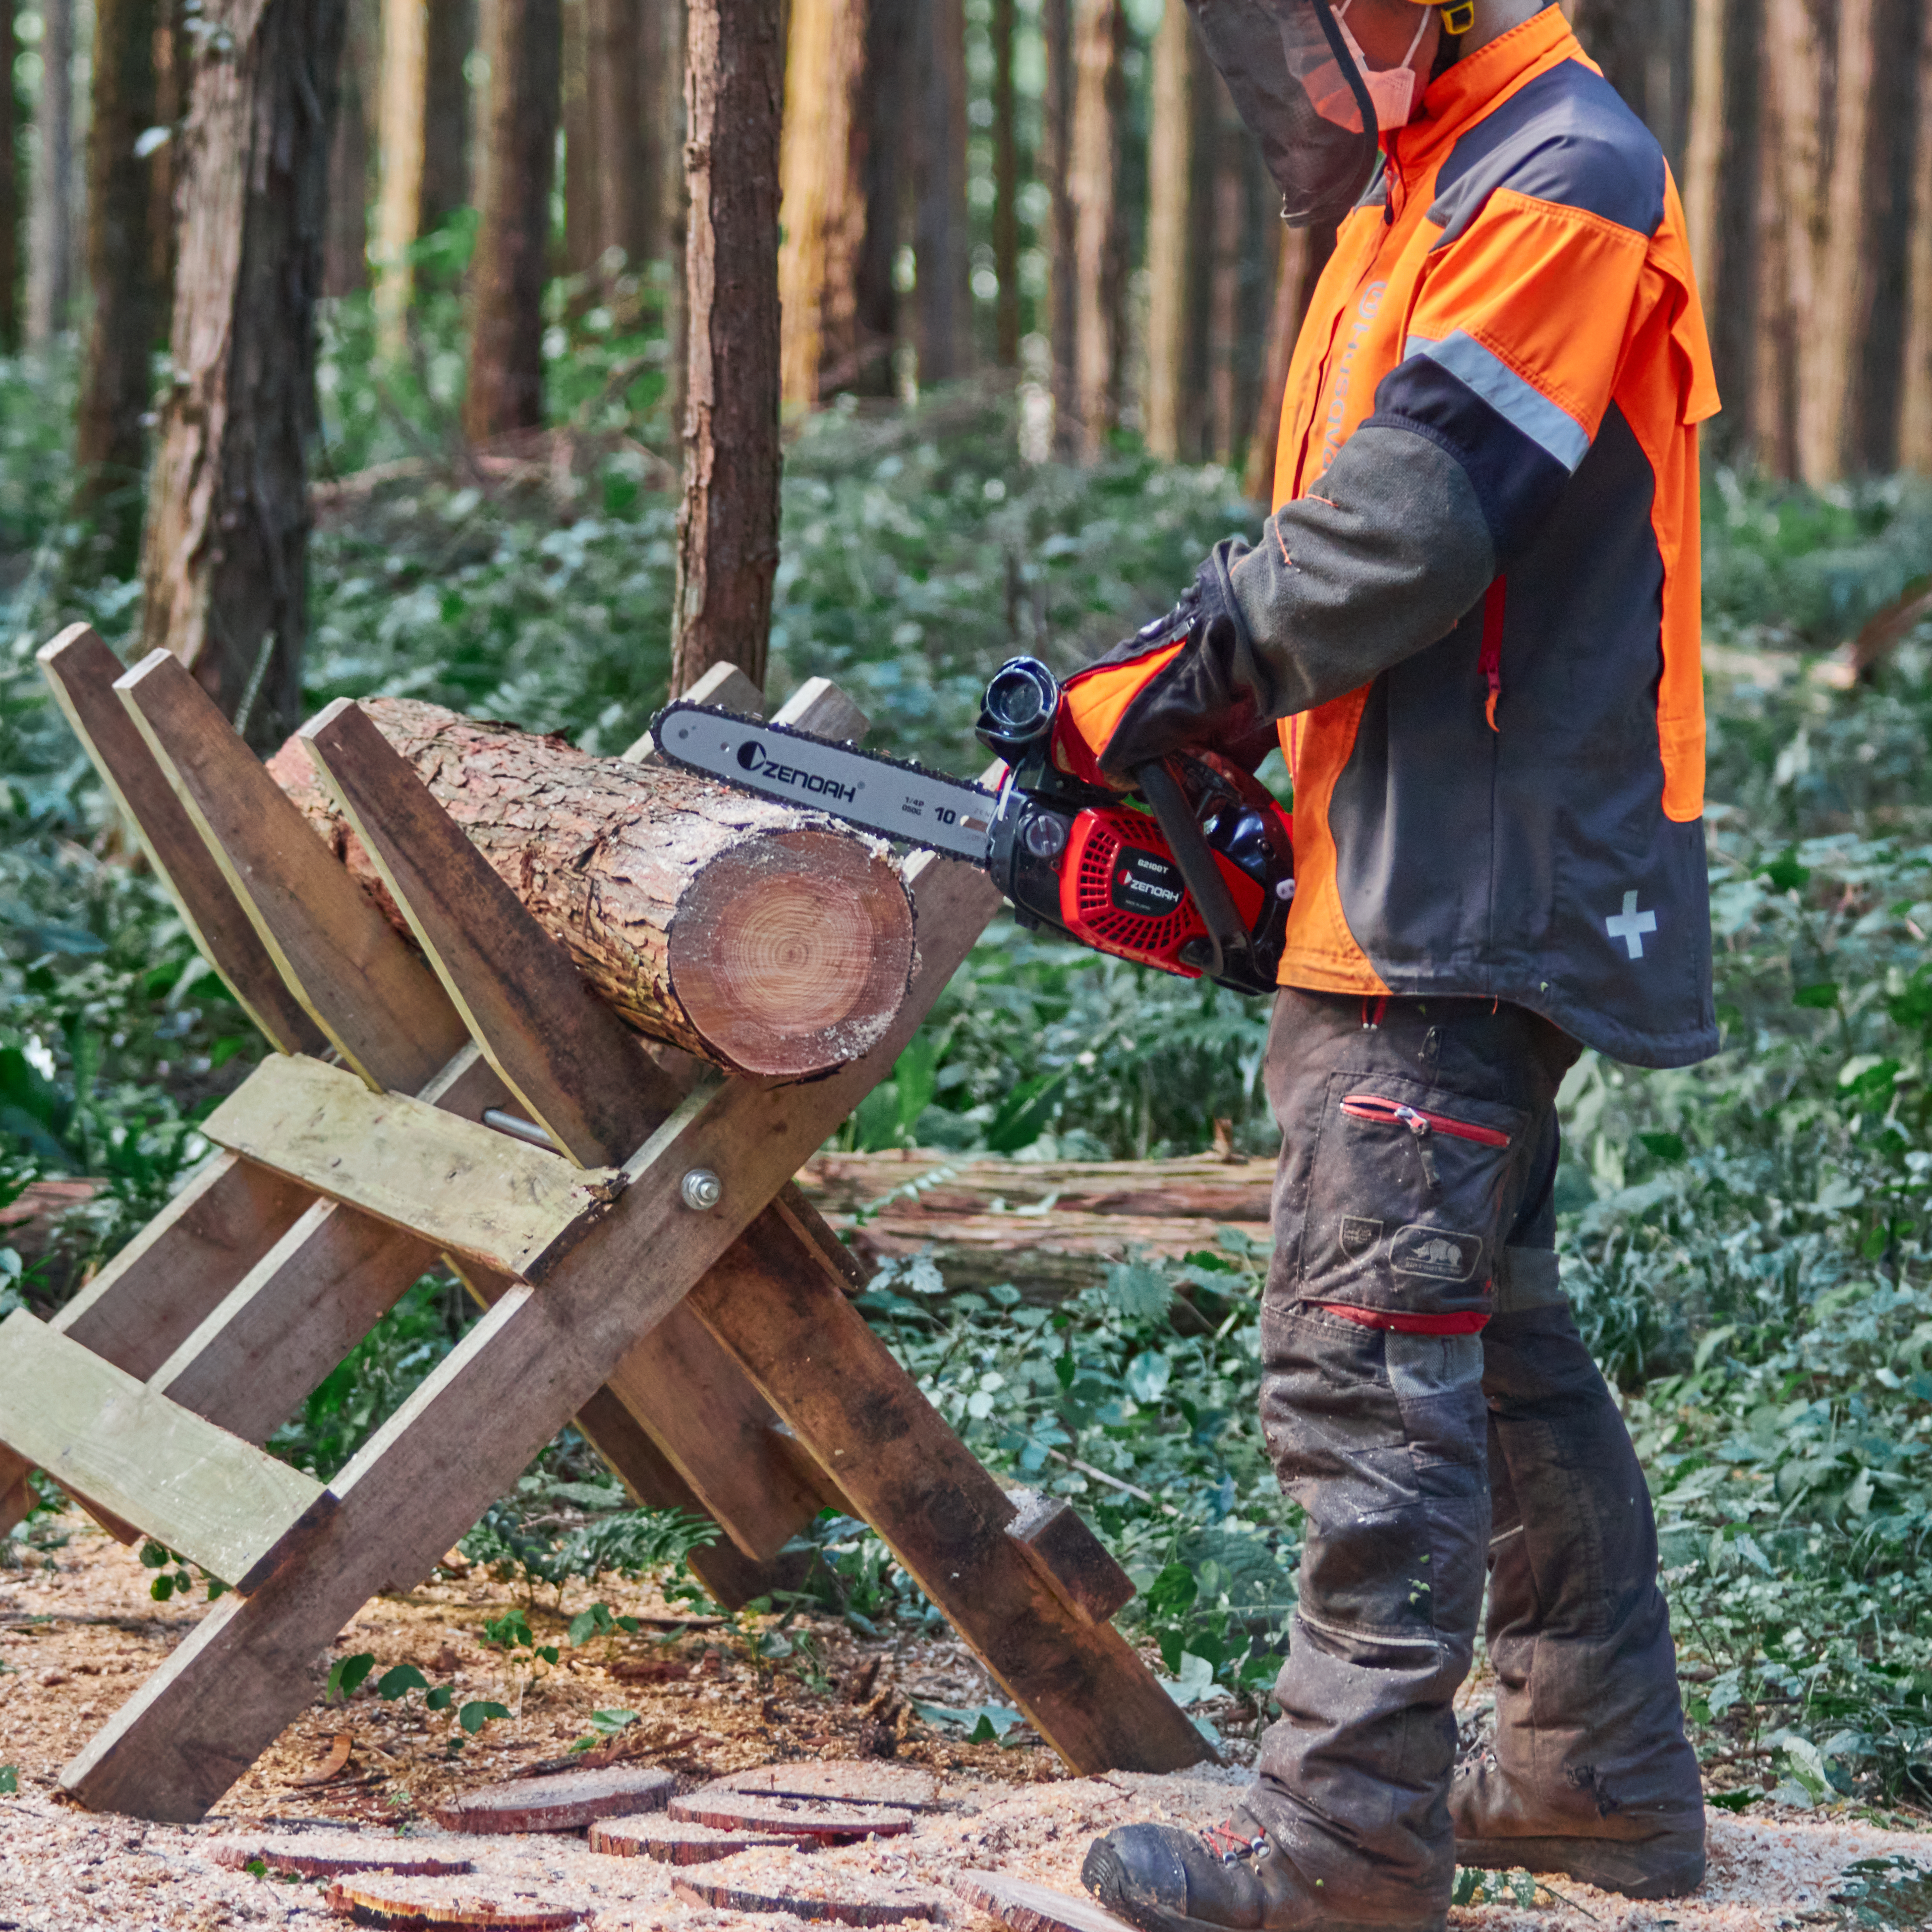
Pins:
<point x="1746" y="1242"/>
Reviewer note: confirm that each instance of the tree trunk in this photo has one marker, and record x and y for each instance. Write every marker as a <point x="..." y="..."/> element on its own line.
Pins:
<point x="1915" y="434"/>
<point x="345" y="259"/>
<point x="762" y="939"/>
<point x="1644" y="48"/>
<point x="1180" y="79"/>
<point x="400" y="134"/>
<point x="664" y="43"/>
<point x="727" y="547"/>
<point x="1063" y="269"/>
<point x="117" y="383"/>
<point x="1304" y="254"/>
<point x="890" y="49"/>
<point x="9" y="188"/>
<point x="1227" y="281"/>
<point x="450" y="33"/>
<point x="942" y="241"/>
<point x="628" y="186"/>
<point x="225" y="563"/>
<point x="1099" y="35"/>
<point x="823" y="206"/>
<point x="1006" y="191"/>
<point x="50" y="260"/>
<point x="505" y="389"/>
<point x="173" y="63"/>
<point x="582" y="219"/>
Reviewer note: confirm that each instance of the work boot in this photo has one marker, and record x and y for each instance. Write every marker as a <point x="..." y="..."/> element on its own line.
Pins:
<point x="1589" y="1773"/>
<point x="1164" y="1879"/>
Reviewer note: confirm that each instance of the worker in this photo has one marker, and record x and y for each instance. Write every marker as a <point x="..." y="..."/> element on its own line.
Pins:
<point x="1473" y="616"/>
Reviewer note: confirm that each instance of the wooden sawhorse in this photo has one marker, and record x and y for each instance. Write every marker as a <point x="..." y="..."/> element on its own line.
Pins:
<point x="656" y="1277"/>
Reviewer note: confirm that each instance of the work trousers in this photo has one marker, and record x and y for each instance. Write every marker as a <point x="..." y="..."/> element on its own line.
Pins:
<point x="1415" y="1188"/>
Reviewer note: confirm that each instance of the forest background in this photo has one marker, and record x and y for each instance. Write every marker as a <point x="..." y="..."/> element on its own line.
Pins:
<point x="530" y="356"/>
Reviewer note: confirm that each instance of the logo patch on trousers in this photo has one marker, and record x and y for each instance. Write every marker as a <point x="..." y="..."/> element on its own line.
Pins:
<point x="1359" y="1234"/>
<point x="1438" y="1252"/>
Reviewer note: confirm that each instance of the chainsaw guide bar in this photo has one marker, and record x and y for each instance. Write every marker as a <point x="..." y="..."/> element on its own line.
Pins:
<point x="877" y="793"/>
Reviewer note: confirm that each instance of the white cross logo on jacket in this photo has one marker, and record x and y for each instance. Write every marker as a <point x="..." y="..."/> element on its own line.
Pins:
<point x="1629" y="925"/>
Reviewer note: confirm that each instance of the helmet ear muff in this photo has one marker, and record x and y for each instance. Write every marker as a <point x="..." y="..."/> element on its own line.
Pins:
<point x="1458" y="15"/>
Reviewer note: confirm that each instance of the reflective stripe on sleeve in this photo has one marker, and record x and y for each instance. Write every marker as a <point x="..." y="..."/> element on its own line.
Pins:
<point x="1519" y="403"/>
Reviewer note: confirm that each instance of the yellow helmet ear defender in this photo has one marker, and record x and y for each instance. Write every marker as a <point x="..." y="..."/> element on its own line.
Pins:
<point x="1458" y="15"/>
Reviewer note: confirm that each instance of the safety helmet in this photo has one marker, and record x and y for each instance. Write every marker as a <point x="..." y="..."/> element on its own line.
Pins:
<point x="1293" y="72"/>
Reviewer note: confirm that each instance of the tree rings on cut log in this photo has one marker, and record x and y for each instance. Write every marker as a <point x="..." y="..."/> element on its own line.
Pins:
<point x="798" y="1819"/>
<point x="762" y="938"/>
<point x="565" y="1801"/>
<point x="377" y="1898"/>
<point x="808" y="1888"/>
<point x="672" y="1842"/>
<point x="1032" y="1908"/>
<point x="837" y="1781"/>
<point x="326" y="1854"/>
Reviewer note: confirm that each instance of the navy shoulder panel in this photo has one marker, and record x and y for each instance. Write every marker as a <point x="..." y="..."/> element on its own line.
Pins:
<point x="1567" y="138"/>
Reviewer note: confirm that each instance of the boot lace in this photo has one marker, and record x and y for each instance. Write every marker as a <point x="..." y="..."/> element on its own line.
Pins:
<point x="1229" y="1843"/>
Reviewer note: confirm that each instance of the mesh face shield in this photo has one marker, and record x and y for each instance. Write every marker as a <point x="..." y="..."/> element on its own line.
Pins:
<point x="1298" y="88"/>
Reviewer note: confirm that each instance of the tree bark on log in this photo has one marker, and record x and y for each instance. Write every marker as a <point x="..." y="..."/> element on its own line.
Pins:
<point x="727" y="528"/>
<point x="764" y="939"/>
<point x="226" y="558"/>
<point x="505" y="389"/>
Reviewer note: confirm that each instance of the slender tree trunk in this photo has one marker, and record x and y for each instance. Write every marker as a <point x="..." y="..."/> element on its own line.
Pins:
<point x="400" y="135"/>
<point x="1304" y="254"/>
<point x="1063" y="276"/>
<point x="665" y="42"/>
<point x="50" y="262"/>
<point x="9" y="188"/>
<point x="173" y="61"/>
<point x="823" y="206"/>
<point x="626" y="180"/>
<point x="505" y="389"/>
<point x="1844" y="54"/>
<point x="225" y="556"/>
<point x="1006" y="191"/>
<point x="1787" y="113"/>
<point x="582" y="219"/>
<point x="1226" y="285"/>
<point x="941" y="237"/>
<point x="1099" y="42"/>
<point x="889" y="51"/>
<point x="345" y="262"/>
<point x="728" y="524"/>
<point x="443" y="187"/>
<point x="1172" y="233"/>
<point x="117" y="383"/>
<point x="1915" y="434"/>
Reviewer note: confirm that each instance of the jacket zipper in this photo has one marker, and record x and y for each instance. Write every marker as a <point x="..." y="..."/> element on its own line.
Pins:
<point x="1421" y="1124"/>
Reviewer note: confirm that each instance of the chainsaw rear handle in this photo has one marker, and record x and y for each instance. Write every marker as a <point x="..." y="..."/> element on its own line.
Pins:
<point x="1227" y="935"/>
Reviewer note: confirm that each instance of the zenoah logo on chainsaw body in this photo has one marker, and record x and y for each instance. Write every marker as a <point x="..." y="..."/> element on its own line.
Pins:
<point x="752" y="758"/>
<point x="1145" y="886"/>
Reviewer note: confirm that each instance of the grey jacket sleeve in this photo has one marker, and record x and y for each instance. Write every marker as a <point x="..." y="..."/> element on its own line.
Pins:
<point x="1383" y="560"/>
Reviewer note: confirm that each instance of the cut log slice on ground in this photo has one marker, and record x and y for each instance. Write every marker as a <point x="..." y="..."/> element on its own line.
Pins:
<point x="565" y="1801"/>
<point x="800" y="1819"/>
<point x="672" y="1842"/>
<point x="764" y="939"/>
<point x="330" y="1854"/>
<point x="808" y="1888"/>
<point x="377" y="1898"/>
<point x="834" y="1781"/>
<point x="1032" y="1908"/>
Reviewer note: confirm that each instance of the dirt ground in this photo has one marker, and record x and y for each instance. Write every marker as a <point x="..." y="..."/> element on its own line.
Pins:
<point x="78" y="1633"/>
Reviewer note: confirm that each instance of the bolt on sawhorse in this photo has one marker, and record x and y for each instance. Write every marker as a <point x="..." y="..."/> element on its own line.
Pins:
<point x="651" y="1272"/>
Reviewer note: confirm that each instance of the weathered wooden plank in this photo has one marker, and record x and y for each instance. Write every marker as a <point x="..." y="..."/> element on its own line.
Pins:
<point x="327" y="938"/>
<point x="469" y="1190"/>
<point x="81" y="671"/>
<point x="574" y="1065"/>
<point x="819" y="706"/>
<point x="1061" y="1546"/>
<point x="219" y="1501"/>
<point x="944" y="1515"/>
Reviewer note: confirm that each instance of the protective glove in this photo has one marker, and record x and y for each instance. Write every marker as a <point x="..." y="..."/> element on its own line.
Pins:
<point x="1189" y="681"/>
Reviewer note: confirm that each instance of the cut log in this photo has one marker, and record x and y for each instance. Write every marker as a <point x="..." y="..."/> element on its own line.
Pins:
<point x="672" y="1843"/>
<point x="1032" y="1908"/>
<point x="835" y="1781"/>
<point x="802" y="1820"/>
<point x="566" y="1801"/>
<point x="808" y="1888"/>
<point x="764" y="939"/>
<point x="330" y="1854"/>
<point x="377" y="1898"/>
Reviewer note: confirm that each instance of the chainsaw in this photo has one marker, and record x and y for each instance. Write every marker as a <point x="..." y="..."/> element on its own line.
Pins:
<point x="1193" y="875"/>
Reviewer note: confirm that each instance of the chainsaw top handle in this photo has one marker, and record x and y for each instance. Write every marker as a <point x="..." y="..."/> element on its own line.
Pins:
<point x="1227" y="936"/>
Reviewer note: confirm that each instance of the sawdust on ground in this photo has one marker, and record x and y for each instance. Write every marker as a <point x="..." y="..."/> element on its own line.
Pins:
<point x="77" y="1637"/>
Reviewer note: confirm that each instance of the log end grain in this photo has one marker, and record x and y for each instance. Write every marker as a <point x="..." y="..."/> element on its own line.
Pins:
<point x="672" y="1843"/>
<point x="378" y="1898"/>
<point x="330" y="1854"/>
<point x="808" y="1888"/>
<point x="802" y="1820"/>
<point x="791" y="954"/>
<point x="1032" y="1908"/>
<point x="567" y="1800"/>
<point x="907" y="1787"/>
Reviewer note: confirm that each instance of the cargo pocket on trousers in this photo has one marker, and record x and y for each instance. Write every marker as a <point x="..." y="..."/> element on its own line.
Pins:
<point x="1406" y="1196"/>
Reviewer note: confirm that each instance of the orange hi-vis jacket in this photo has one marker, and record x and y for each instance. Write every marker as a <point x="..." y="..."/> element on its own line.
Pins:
<point x="1475" y="610"/>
